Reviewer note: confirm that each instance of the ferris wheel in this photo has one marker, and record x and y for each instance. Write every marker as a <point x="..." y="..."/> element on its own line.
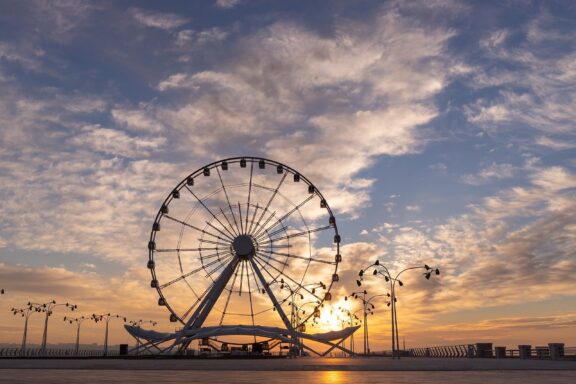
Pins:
<point x="232" y="236"/>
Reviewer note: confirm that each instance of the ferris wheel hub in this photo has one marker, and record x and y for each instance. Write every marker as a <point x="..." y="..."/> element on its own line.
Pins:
<point x="244" y="247"/>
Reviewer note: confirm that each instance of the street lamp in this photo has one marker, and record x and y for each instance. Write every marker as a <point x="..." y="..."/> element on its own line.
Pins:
<point x="315" y="314"/>
<point x="106" y="318"/>
<point x="78" y="321"/>
<point x="25" y="313"/>
<point x="48" y="308"/>
<point x="367" y="308"/>
<point x="380" y="269"/>
<point x="294" y="311"/>
<point x="352" y="321"/>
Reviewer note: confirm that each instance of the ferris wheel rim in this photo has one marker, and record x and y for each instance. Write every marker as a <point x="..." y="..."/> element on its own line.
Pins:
<point x="183" y="184"/>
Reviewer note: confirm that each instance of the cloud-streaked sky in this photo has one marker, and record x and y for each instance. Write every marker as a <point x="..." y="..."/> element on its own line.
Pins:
<point x="439" y="131"/>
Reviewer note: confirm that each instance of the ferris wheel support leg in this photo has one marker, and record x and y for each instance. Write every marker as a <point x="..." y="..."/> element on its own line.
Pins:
<point x="273" y="298"/>
<point x="337" y="345"/>
<point x="311" y="350"/>
<point x="197" y="319"/>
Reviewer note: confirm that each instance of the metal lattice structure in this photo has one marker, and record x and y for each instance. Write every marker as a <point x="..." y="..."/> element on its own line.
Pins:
<point x="229" y="240"/>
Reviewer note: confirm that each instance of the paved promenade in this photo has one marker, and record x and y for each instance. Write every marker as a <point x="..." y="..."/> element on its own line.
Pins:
<point x="302" y="364"/>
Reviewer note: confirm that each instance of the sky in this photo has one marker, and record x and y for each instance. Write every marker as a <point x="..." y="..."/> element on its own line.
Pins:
<point x="440" y="132"/>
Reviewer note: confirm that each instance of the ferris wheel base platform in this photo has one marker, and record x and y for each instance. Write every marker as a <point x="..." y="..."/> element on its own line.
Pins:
<point x="151" y="341"/>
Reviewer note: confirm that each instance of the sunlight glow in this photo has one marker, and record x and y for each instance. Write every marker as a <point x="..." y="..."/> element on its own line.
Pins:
<point x="334" y="316"/>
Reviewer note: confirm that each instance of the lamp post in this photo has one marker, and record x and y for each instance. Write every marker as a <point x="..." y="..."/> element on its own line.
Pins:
<point x="25" y="313"/>
<point x="48" y="308"/>
<point x="293" y="315"/>
<point x="361" y="295"/>
<point x="382" y="270"/>
<point x="367" y="308"/>
<point x="316" y="313"/>
<point x="352" y="320"/>
<point x="294" y="311"/>
<point x="106" y="319"/>
<point x="78" y="321"/>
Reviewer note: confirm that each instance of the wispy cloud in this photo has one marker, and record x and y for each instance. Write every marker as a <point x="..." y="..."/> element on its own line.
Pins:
<point x="492" y="172"/>
<point x="160" y="20"/>
<point x="227" y="3"/>
<point x="534" y="87"/>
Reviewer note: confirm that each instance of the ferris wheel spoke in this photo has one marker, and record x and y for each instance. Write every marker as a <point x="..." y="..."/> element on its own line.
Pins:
<point x="271" y="199"/>
<point x="220" y="231"/>
<point x="269" y="257"/>
<point x="297" y="234"/>
<point x="180" y="278"/>
<point x="191" y="226"/>
<point x="229" y="205"/>
<point x="181" y="250"/>
<point x="194" y="271"/>
<point x="210" y="212"/>
<point x="296" y="208"/>
<point x="275" y="232"/>
<point x="253" y="217"/>
<point x="198" y="300"/>
<point x="228" y="220"/>
<point x="285" y="275"/>
<point x="262" y="263"/>
<point x="214" y="242"/>
<point x="270" y="217"/>
<point x="241" y="222"/>
<point x="309" y="259"/>
<point x="222" y="265"/>
<point x="249" y="195"/>
<point x="216" y="254"/>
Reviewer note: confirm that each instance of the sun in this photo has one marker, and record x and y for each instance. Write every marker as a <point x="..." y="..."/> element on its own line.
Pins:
<point x="334" y="316"/>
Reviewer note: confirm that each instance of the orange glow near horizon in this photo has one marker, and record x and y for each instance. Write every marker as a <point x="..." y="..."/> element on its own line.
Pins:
<point x="333" y="316"/>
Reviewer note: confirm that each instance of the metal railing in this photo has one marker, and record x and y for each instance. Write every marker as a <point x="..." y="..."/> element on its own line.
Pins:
<point x="51" y="353"/>
<point x="460" y="350"/>
<point x="472" y="351"/>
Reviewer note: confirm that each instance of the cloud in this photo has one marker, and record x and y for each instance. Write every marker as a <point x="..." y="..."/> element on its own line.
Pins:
<point x="227" y="3"/>
<point x="152" y="19"/>
<point x="413" y="208"/>
<point x="312" y="100"/>
<point x="114" y="142"/>
<point x="555" y="144"/>
<point x="515" y="247"/>
<point x="493" y="171"/>
<point x="189" y="37"/>
<point x="532" y="79"/>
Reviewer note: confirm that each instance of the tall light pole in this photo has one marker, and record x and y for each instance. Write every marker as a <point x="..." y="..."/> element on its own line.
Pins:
<point x="106" y="319"/>
<point x="25" y="313"/>
<point x="367" y="309"/>
<point x="78" y="321"/>
<point x="352" y="320"/>
<point x="293" y="315"/>
<point x="361" y="295"/>
<point x="294" y="312"/>
<point x="48" y="309"/>
<point x="382" y="270"/>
